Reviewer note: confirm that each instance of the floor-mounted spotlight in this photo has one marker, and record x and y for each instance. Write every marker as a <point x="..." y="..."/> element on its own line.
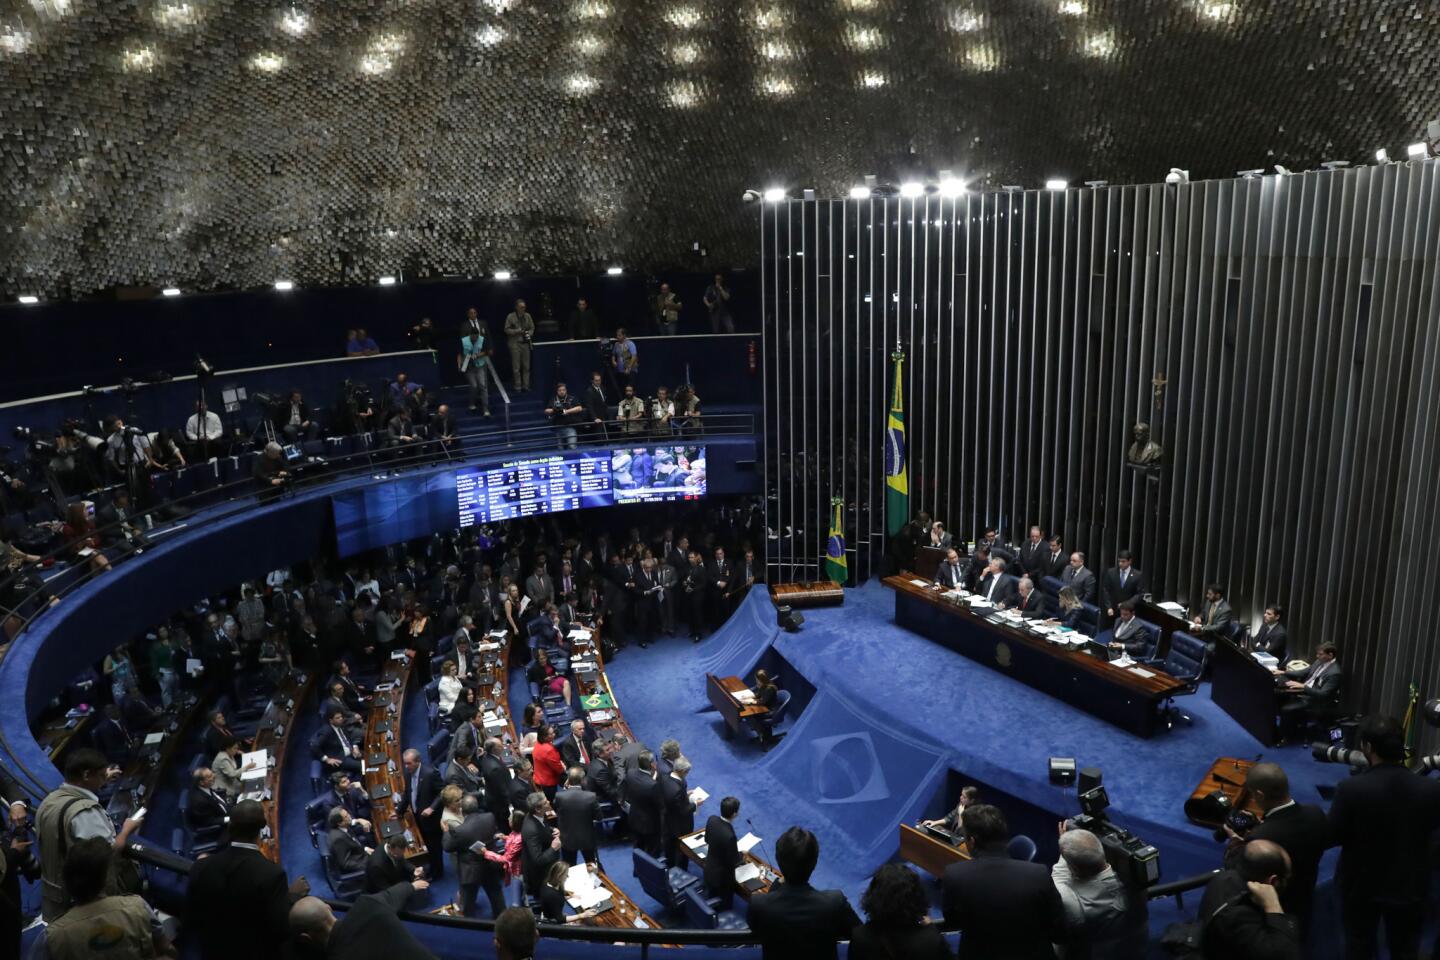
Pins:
<point x="1417" y="151"/>
<point x="1382" y="155"/>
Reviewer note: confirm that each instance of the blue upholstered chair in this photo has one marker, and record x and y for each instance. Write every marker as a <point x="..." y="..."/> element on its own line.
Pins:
<point x="703" y="914"/>
<point x="439" y="746"/>
<point x="777" y="713"/>
<point x="1021" y="847"/>
<point x="664" y="884"/>
<point x="1186" y="662"/>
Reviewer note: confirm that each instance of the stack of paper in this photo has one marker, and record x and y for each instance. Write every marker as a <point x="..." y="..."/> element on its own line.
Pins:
<point x="747" y="842"/>
<point x="1170" y="606"/>
<point x="487" y="647"/>
<point x="154" y="738"/>
<point x="920" y="583"/>
<point x="699" y="796"/>
<point x="578" y="633"/>
<point x="579" y="879"/>
<point x="1268" y="661"/>
<point x="746" y="871"/>
<point x="261" y="760"/>
<point x="596" y="898"/>
<point x="1142" y="672"/>
<point x="745" y="696"/>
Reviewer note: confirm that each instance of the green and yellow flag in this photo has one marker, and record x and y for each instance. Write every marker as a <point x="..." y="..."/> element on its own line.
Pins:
<point x="836" y="567"/>
<point x="897" y="480"/>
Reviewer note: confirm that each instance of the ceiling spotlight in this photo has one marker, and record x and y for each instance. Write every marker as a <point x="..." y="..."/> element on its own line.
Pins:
<point x="589" y="44"/>
<point x="1217" y="11"/>
<point x="502" y="274"/>
<point x="911" y="189"/>
<point x="28" y="299"/>
<point x="376" y="63"/>
<point x="1176" y="175"/>
<point x="592" y="10"/>
<point x="499" y="6"/>
<point x="1097" y="184"/>
<point x="14" y="40"/>
<point x="777" y="86"/>
<point x="952" y="187"/>
<point x="683" y="17"/>
<point x="170" y="292"/>
<point x="284" y="286"/>
<point x="294" y="22"/>
<point x="581" y="84"/>
<point x="387" y="281"/>
<point x="775" y="51"/>
<point x="1416" y="150"/>
<point x="1382" y="155"/>
<point x="1056" y="184"/>
<point x="684" y="93"/>
<point x="175" y="15"/>
<point x="859" y="193"/>
<point x="1072" y="8"/>
<point x="138" y="58"/>
<point x="489" y="36"/>
<point x="774" y="194"/>
<point x="872" y="80"/>
<point x="863" y="38"/>
<point x="614" y="271"/>
<point x="1335" y="164"/>
<point x="965" y="21"/>
<point x="1250" y="174"/>
<point x="267" y="62"/>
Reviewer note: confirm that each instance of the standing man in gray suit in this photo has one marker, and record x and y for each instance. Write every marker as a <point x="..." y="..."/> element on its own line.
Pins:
<point x="1079" y="578"/>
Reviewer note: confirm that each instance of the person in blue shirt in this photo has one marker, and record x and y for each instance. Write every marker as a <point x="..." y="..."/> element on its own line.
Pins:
<point x="642" y="467"/>
<point x="626" y="360"/>
<point x="359" y="344"/>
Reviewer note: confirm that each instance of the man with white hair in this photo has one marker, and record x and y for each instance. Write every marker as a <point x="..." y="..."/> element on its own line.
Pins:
<point x="1100" y="911"/>
<point x="269" y="471"/>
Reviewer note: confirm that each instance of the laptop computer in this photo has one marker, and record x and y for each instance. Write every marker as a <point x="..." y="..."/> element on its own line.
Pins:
<point x="1103" y="651"/>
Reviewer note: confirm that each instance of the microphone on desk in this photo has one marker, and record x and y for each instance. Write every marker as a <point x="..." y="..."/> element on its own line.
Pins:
<point x="751" y="824"/>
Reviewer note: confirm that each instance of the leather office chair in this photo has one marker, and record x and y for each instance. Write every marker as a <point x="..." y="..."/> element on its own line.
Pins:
<point x="188" y="842"/>
<point x="1021" y="847"/>
<point x="663" y="884"/>
<point x="777" y="713"/>
<point x="316" y="811"/>
<point x="1186" y="662"/>
<point x="1089" y="623"/>
<point x="704" y="914"/>
<point x="317" y="778"/>
<point x="1052" y="586"/>
<point x="346" y="886"/>
<point x="439" y="746"/>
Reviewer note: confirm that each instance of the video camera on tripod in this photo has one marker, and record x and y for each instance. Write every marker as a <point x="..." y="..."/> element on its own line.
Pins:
<point x="1134" y="861"/>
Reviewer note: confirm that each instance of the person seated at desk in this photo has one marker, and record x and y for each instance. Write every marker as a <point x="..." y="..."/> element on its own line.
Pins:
<point x="449" y="687"/>
<point x="950" y="574"/>
<point x="997" y="586"/>
<point x="1271" y="637"/>
<point x="387" y="867"/>
<point x="1129" y="633"/>
<point x="938" y="538"/>
<point x="347" y="855"/>
<point x="1069" y="611"/>
<point x="951" y="822"/>
<point x="333" y="746"/>
<point x="552" y="896"/>
<point x="111" y="738"/>
<point x="337" y="700"/>
<point x="207" y="810"/>
<point x="1031" y="603"/>
<point x="765" y="691"/>
<point x="543" y="672"/>
<point x="979" y="565"/>
<point x="1314" y="692"/>
<point x="229" y="772"/>
<point x="1215" y="615"/>
<point x="346" y="793"/>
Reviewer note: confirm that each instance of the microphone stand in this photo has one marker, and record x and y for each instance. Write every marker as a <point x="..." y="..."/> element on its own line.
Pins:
<point x="768" y="872"/>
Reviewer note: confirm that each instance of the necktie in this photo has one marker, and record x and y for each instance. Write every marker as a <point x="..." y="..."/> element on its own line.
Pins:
<point x="218" y="799"/>
<point x="1124" y="575"/>
<point x="990" y="593"/>
<point x="1316" y="674"/>
<point x="584" y="754"/>
<point x="344" y="740"/>
<point x="415" y="791"/>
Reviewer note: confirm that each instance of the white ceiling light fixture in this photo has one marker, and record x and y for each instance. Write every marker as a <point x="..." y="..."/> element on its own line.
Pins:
<point x="912" y="189"/>
<point x="614" y="271"/>
<point x="1056" y="184"/>
<point x="499" y="6"/>
<point x="139" y="59"/>
<point x="295" y="21"/>
<point x="1100" y="45"/>
<point x="15" y="39"/>
<point x="859" y="193"/>
<point x="683" y="17"/>
<point x="872" y="80"/>
<point x="774" y="194"/>
<point x="375" y="63"/>
<point x="1072" y="8"/>
<point x="176" y="15"/>
<point x="387" y="281"/>
<point x="267" y="62"/>
<point x="28" y="299"/>
<point x="1217" y="11"/>
<point x="684" y="93"/>
<point x="170" y="292"/>
<point x="581" y="84"/>
<point x="1417" y="151"/>
<point x="777" y="86"/>
<point x="503" y="274"/>
<point x="488" y="36"/>
<point x="284" y="286"/>
<point x="963" y="20"/>
<point x="863" y="38"/>
<point x="589" y="44"/>
<point x="591" y="10"/>
<point x="952" y="187"/>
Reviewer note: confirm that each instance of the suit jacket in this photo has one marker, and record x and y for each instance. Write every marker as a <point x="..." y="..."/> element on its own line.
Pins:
<point x="1034" y="607"/>
<point x="473" y="867"/>
<point x="1004" y="590"/>
<point x="1382" y="820"/>
<point x="576" y="811"/>
<point x="1032" y="556"/>
<point x="794" y="921"/>
<point x="326" y="742"/>
<point x="604" y="779"/>
<point x="239" y="882"/>
<point x="647" y="802"/>
<point x="427" y="796"/>
<point x="1235" y="926"/>
<point x="346" y="853"/>
<point x="207" y="811"/>
<point x="518" y="791"/>
<point x="595" y="405"/>
<point x="466" y="743"/>
<point x="1214" y="618"/>
<point x="356" y="800"/>
<point x="1082" y="581"/>
<point x="370" y="930"/>
<point x="1274" y="640"/>
<point x="679" y="808"/>
<point x="1133" y="635"/>
<point x="1304" y="831"/>
<point x="113" y="740"/>
<point x="536" y="854"/>
<point x="459" y="774"/>
<point x="949" y="578"/>
<point x="722" y="858"/>
<point x="1326" y="691"/>
<point x="570" y="752"/>
<point x="497" y="787"/>
<point x="1112" y="593"/>
<point x="1053" y="567"/>
<point x="381" y="871"/>
<point x="1004" y="907"/>
<point x="540" y="590"/>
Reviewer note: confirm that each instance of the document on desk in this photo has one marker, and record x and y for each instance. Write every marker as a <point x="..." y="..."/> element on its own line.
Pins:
<point x="579" y="879"/>
<point x="745" y="696"/>
<point x="1141" y="672"/>
<point x="1170" y="606"/>
<point x="194" y="667"/>
<point x="261" y="760"/>
<point x="578" y="633"/>
<point x="154" y="738"/>
<point x="746" y="871"/>
<point x="747" y="842"/>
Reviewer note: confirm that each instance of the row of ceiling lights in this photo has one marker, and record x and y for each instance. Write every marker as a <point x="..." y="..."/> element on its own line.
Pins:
<point x="285" y="286"/>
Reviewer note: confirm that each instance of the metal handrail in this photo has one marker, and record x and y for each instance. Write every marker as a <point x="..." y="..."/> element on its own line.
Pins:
<point x="427" y="451"/>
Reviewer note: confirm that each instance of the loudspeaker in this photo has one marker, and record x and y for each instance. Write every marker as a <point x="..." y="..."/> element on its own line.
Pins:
<point x="1062" y="770"/>
<point x="788" y="619"/>
<point x="1089" y="779"/>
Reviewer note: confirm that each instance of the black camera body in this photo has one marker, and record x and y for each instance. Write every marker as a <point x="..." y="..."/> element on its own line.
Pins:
<point x="1134" y="861"/>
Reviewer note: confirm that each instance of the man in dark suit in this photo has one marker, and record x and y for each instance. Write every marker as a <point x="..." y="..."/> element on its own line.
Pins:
<point x="719" y="576"/>
<point x="370" y="929"/>
<point x="1030" y="603"/>
<point x="239" y="881"/>
<point x="1032" y="554"/>
<point x="333" y="746"/>
<point x="604" y="775"/>
<point x="216" y="731"/>
<point x="354" y="696"/>
<point x="577" y="749"/>
<point x="647" y="804"/>
<point x="421" y="794"/>
<point x="387" y="867"/>
<point x="521" y="785"/>
<point x="1300" y="828"/>
<point x="722" y="852"/>
<point x="1272" y="638"/>
<point x="1078" y="577"/>
<point x="679" y="808"/>
<point x="347" y="855"/>
<point x="1003" y="907"/>
<point x="997" y="586"/>
<point x="576" y="810"/>
<point x="950" y="573"/>
<point x="136" y="712"/>
<point x="1121" y="582"/>
<point x="1383" y="821"/>
<point x="1054" y="559"/>
<point x="354" y="723"/>
<point x="645" y="601"/>
<point x="346" y="793"/>
<point x="1128" y="634"/>
<point x="540" y="843"/>
<point x="497" y="781"/>
<point x="1313" y="694"/>
<point x="468" y="738"/>
<point x="1215" y="616"/>
<point x="475" y="869"/>
<point x="794" y="921"/>
<point x="206" y="807"/>
<point x="977" y="568"/>
<point x="1241" y="913"/>
<point x="466" y="775"/>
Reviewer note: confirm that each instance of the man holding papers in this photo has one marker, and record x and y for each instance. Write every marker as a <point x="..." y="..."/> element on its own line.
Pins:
<point x="680" y="805"/>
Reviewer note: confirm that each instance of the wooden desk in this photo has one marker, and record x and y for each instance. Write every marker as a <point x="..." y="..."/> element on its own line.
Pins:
<point x="722" y="691"/>
<point x="767" y="872"/>
<point x="1168" y="623"/>
<point x="55" y="737"/>
<point x="146" y="773"/>
<point x="600" y="684"/>
<point x="1245" y="689"/>
<point x="389" y="708"/>
<point x="496" y="663"/>
<point x="1096" y="686"/>
<point x="930" y="854"/>
<point x="798" y="596"/>
<point x="624" y="914"/>
<point x="279" y="715"/>
<point x="1228" y="776"/>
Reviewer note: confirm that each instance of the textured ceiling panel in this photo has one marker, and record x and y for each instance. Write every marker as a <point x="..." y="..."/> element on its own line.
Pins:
<point x="228" y="143"/>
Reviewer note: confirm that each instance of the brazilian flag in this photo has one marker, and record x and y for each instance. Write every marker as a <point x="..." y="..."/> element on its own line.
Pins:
<point x="836" y="567"/>
<point x="897" y="481"/>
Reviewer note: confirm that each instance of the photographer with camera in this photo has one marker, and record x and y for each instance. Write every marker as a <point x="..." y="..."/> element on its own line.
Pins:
<point x="1240" y="914"/>
<point x="520" y="337"/>
<point x="472" y="361"/>
<point x="1105" y="918"/>
<point x="563" y="411"/>
<point x="269" y="471"/>
<point x="1300" y="828"/>
<point x="1382" y="820"/>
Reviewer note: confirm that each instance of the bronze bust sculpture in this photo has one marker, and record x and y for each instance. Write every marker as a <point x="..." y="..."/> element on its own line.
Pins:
<point x="1144" y="452"/>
